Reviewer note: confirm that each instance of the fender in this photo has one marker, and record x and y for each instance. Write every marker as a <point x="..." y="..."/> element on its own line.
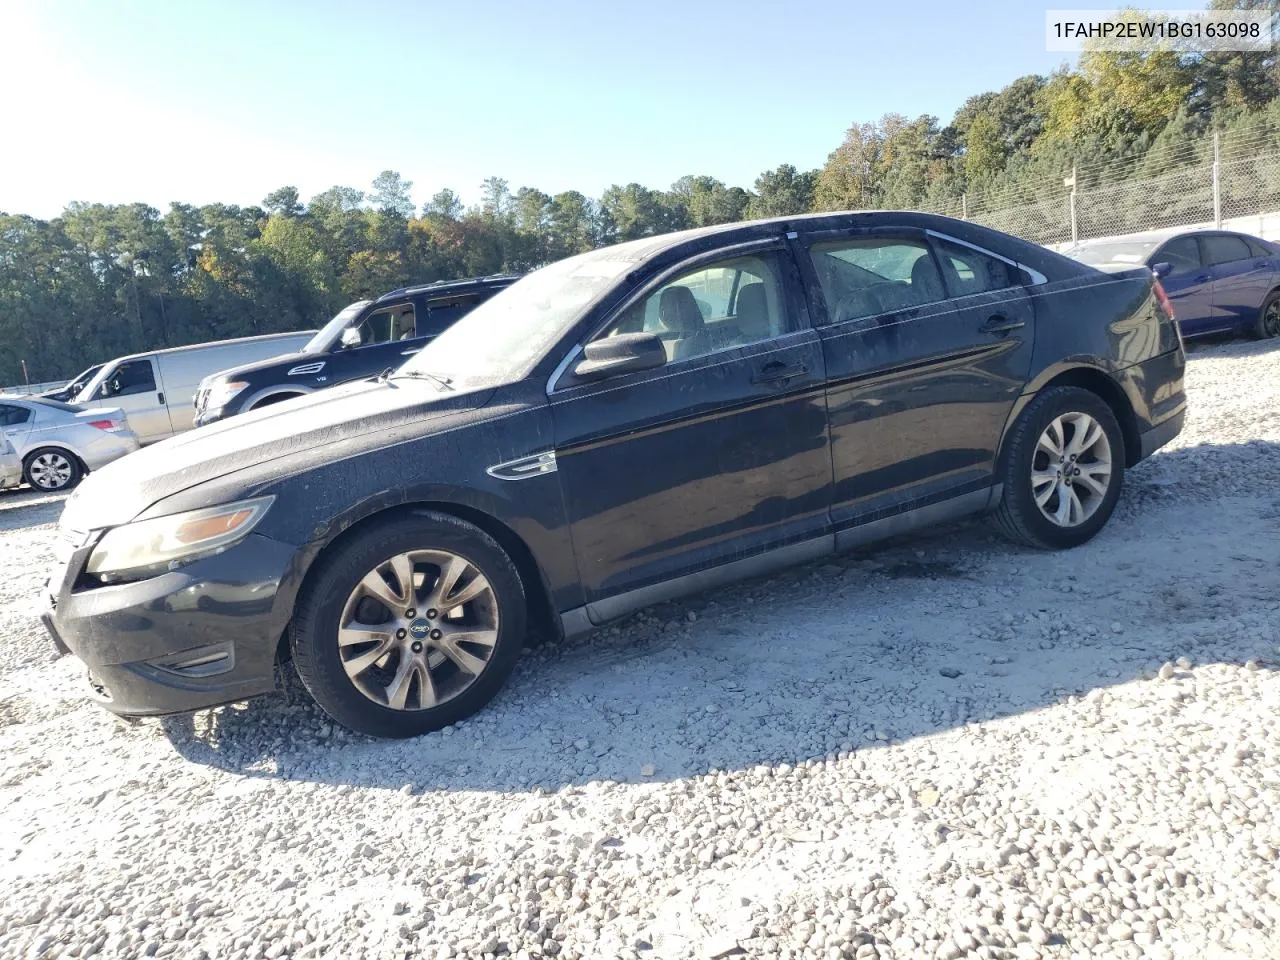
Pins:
<point x="292" y="390"/>
<point x="1123" y="394"/>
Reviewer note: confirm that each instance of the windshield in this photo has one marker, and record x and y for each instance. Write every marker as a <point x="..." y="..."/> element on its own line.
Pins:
<point x="323" y="341"/>
<point x="87" y="391"/>
<point x="501" y="340"/>
<point x="83" y="377"/>
<point x="1130" y="251"/>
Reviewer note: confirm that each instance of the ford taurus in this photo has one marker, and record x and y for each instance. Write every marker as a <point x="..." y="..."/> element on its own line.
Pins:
<point x="613" y="430"/>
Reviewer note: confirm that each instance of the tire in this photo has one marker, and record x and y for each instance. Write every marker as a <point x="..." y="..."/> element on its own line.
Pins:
<point x="52" y="469"/>
<point x="336" y="600"/>
<point x="1024" y="520"/>
<point x="1268" y="324"/>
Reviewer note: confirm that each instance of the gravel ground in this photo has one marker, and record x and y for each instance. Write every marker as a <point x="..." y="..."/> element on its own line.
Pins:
<point x="942" y="747"/>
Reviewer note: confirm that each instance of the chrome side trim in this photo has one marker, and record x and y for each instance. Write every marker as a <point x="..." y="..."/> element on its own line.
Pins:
<point x="611" y="608"/>
<point x="899" y="523"/>
<point x="585" y="618"/>
<point x="534" y="465"/>
<point x="1037" y="278"/>
<point x="562" y="366"/>
<point x="304" y="369"/>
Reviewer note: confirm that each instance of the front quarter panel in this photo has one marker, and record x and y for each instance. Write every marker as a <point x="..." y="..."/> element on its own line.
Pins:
<point x="445" y="466"/>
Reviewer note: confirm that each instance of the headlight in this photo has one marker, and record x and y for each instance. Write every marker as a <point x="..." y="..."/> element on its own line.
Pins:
<point x="151" y="547"/>
<point x="222" y="392"/>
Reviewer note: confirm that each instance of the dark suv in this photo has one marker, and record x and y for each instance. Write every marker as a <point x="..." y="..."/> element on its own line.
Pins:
<point x="361" y="341"/>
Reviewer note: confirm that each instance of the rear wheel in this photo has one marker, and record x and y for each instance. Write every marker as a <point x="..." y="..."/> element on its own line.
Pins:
<point x="1062" y="471"/>
<point x="51" y="469"/>
<point x="1268" y="324"/>
<point x="413" y="624"/>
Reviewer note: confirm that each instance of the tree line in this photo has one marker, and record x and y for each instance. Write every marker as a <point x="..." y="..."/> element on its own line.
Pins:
<point x="104" y="280"/>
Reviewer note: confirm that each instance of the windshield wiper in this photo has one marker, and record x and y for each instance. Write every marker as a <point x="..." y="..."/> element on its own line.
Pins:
<point x="444" y="383"/>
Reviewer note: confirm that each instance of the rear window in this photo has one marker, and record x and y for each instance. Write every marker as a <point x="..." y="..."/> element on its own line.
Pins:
<point x="1224" y="249"/>
<point x="1257" y="248"/>
<point x="56" y="404"/>
<point x="1133" y="252"/>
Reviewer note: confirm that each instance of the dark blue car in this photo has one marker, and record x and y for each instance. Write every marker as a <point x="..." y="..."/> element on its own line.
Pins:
<point x="1218" y="281"/>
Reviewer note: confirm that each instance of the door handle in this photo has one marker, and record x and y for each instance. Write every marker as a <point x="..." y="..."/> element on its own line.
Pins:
<point x="999" y="324"/>
<point x="160" y="397"/>
<point x="409" y="353"/>
<point x="778" y="373"/>
<point x="1203" y="278"/>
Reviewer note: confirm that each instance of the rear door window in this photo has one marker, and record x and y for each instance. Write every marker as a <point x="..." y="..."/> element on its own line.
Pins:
<point x="967" y="271"/>
<point x="445" y="313"/>
<point x="11" y="416"/>
<point x="870" y="276"/>
<point x="1219" y="248"/>
<point x="1256" y="249"/>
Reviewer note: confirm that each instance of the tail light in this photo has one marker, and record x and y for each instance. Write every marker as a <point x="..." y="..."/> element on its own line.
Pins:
<point x="1167" y="306"/>
<point x="111" y="426"/>
<point x="1165" y="303"/>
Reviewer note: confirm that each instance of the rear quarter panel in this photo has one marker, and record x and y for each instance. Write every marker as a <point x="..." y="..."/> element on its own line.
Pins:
<point x="1110" y="324"/>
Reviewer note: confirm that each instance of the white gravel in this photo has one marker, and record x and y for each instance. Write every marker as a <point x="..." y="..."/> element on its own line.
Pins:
<point x="939" y="748"/>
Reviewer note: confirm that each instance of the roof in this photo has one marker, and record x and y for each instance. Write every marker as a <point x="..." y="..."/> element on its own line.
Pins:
<point x="211" y="343"/>
<point x="443" y="287"/>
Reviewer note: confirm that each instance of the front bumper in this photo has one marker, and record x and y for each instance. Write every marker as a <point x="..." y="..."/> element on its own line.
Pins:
<point x="205" y="417"/>
<point x="195" y="637"/>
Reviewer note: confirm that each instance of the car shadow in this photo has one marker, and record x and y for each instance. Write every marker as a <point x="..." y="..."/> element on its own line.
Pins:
<point x="909" y="638"/>
<point x="22" y="507"/>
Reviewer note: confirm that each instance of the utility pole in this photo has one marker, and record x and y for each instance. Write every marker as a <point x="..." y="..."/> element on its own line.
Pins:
<point x="1217" y="187"/>
<point x="1071" y="200"/>
<point x="964" y="206"/>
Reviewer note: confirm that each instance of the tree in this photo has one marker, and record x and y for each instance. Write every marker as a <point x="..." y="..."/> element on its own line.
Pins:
<point x="391" y="194"/>
<point x="782" y="192"/>
<point x="983" y="149"/>
<point x="443" y="205"/>
<point x="283" y="202"/>
<point x="495" y="197"/>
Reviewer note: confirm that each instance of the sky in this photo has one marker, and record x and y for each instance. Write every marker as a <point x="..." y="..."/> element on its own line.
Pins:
<point x="134" y="100"/>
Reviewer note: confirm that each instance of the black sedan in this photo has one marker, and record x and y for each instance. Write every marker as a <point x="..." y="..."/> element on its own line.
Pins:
<point x="1217" y="281"/>
<point x="613" y="430"/>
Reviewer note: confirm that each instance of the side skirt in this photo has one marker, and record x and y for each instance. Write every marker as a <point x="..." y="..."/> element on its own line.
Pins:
<point x="586" y="618"/>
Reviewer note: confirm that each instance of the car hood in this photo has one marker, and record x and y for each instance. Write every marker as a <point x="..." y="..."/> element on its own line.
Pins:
<point x="296" y="356"/>
<point x="331" y="423"/>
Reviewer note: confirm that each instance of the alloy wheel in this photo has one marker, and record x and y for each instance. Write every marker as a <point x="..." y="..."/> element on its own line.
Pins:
<point x="418" y="629"/>
<point x="1271" y="319"/>
<point x="50" y="471"/>
<point x="1071" y="469"/>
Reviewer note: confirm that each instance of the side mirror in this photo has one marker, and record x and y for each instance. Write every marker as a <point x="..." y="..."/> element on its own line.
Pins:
<point x="1162" y="269"/>
<point x="625" y="353"/>
<point x="350" y="337"/>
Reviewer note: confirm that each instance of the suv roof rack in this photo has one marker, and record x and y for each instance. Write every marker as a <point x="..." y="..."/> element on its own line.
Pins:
<point x="446" y="286"/>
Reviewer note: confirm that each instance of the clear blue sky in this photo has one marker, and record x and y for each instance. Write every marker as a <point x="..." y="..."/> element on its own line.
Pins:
<point x="157" y="101"/>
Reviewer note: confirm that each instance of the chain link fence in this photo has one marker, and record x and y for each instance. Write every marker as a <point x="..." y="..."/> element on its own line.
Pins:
<point x="1229" y="182"/>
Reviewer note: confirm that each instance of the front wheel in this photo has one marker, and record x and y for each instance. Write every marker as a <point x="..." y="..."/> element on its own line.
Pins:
<point x="1062" y="470"/>
<point x="51" y="470"/>
<point x="1268" y="324"/>
<point x="413" y="624"/>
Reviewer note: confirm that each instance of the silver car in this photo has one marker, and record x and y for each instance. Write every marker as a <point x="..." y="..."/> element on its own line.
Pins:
<point x="10" y="465"/>
<point x="58" y="443"/>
